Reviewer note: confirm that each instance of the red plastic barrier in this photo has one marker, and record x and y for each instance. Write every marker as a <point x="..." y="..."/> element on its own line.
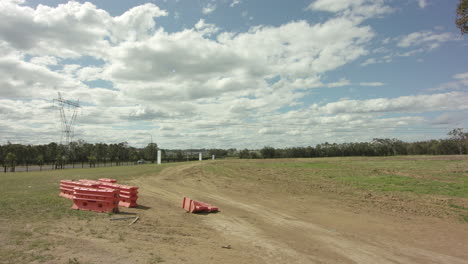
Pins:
<point x="97" y="183"/>
<point x="67" y="186"/>
<point x="128" y="194"/>
<point x="193" y="206"/>
<point x="97" y="200"/>
<point x="108" y="180"/>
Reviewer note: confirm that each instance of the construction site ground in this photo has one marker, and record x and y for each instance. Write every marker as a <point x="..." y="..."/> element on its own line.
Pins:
<point x="271" y="211"/>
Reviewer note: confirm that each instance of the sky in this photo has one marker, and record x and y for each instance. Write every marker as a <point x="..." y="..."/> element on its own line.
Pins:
<point x="232" y="73"/>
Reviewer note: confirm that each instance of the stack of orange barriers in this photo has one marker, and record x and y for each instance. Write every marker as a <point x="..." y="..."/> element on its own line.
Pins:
<point x="108" y="180"/>
<point x="128" y="194"/>
<point x="88" y="194"/>
<point x="67" y="187"/>
<point x="97" y="200"/>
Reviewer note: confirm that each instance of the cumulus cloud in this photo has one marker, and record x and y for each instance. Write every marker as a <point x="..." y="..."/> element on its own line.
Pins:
<point x="73" y="29"/>
<point x="199" y="82"/>
<point x="69" y="30"/>
<point x="206" y="28"/>
<point x="44" y="60"/>
<point x="136" y="23"/>
<point x="21" y="79"/>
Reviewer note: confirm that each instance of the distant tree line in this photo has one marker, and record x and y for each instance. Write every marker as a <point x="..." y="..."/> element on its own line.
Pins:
<point x="457" y="143"/>
<point x="77" y="153"/>
<point x="81" y="154"/>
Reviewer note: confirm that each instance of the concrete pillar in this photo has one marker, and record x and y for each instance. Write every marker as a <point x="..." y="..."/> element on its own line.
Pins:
<point x="199" y="156"/>
<point x="159" y="157"/>
<point x="213" y="157"/>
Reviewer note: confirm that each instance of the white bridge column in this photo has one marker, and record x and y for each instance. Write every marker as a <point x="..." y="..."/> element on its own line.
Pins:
<point x="199" y="156"/>
<point x="213" y="157"/>
<point x="159" y="157"/>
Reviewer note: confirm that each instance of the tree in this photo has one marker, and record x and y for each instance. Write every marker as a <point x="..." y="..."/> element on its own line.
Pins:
<point x="92" y="161"/>
<point x="40" y="161"/>
<point x="244" y="154"/>
<point x="60" y="160"/>
<point x="10" y="160"/>
<point x="151" y="151"/>
<point x="268" y="152"/>
<point x="462" y="16"/>
<point x="458" y="136"/>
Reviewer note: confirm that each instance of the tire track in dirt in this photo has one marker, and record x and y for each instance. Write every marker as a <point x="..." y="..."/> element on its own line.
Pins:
<point x="355" y="250"/>
<point x="279" y="235"/>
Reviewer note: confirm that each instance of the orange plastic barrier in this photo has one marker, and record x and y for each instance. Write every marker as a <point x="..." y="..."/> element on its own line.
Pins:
<point x="94" y="195"/>
<point x="108" y="180"/>
<point x="97" y="183"/>
<point x="128" y="194"/>
<point x="67" y="186"/>
<point x="97" y="200"/>
<point x="193" y="206"/>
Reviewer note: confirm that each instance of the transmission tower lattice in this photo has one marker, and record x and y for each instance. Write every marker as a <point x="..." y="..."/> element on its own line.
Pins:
<point x="66" y="121"/>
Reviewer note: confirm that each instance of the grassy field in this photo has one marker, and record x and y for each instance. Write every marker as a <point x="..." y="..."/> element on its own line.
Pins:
<point x="34" y="195"/>
<point x="421" y="181"/>
<point x="435" y="186"/>
<point x="30" y="206"/>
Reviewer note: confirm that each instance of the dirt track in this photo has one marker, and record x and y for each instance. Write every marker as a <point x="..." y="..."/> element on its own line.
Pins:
<point x="263" y="226"/>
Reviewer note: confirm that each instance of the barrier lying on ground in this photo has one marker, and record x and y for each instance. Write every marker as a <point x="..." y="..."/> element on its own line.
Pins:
<point x="97" y="200"/>
<point x="193" y="206"/>
<point x="127" y="195"/>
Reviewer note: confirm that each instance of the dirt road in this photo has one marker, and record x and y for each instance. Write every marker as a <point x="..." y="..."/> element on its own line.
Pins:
<point x="265" y="226"/>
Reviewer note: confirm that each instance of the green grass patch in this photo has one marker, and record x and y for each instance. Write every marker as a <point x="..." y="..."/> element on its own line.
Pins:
<point x="34" y="195"/>
<point x="458" y="207"/>
<point x="412" y="174"/>
<point x="301" y="164"/>
<point x="392" y="183"/>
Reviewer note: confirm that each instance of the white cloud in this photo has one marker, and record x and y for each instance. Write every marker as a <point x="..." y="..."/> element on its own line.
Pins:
<point x="411" y="44"/>
<point x="460" y="83"/>
<point x="44" y="60"/>
<point x="461" y="76"/>
<point x="234" y="3"/>
<point x="342" y="82"/>
<point x="371" y="84"/>
<point x="415" y="104"/>
<point x="357" y="9"/>
<point x="199" y="82"/>
<point x="209" y="8"/>
<point x="27" y="80"/>
<point x="422" y="3"/>
<point x="450" y="118"/>
<point x="427" y="39"/>
<point x="89" y="73"/>
<point x="206" y="28"/>
<point x="136" y="23"/>
<point x="69" y="30"/>
<point x="72" y="30"/>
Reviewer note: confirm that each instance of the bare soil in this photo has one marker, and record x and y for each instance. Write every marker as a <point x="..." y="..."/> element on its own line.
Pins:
<point x="258" y="222"/>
